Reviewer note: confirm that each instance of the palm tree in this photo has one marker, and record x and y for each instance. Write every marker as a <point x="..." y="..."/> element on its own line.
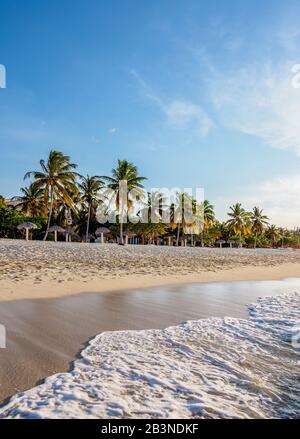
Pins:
<point x="239" y="221"/>
<point x="259" y="222"/>
<point x="184" y="207"/>
<point x="89" y="188"/>
<point x="57" y="180"/>
<point x="31" y="200"/>
<point x="208" y="218"/>
<point x="154" y="207"/>
<point x="273" y="234"/>
<point x="125" y="171"/>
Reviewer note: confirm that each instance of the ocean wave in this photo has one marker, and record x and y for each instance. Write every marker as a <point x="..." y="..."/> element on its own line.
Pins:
<point x="212" y="368"/>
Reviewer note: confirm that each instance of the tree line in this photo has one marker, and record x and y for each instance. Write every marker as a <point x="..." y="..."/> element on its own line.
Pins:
<point x="58" y="194"/>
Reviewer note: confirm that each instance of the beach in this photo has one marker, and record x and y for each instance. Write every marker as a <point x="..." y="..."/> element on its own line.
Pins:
<point x="30" y="270"/>
<point x="215" y="367"/>
<point x="57" y="297"/>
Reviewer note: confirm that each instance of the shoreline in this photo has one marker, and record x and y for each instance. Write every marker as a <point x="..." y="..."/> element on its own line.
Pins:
<point x="45" y="337"/>
<point x="11" y="291"/>
<point x="157" y="364"/>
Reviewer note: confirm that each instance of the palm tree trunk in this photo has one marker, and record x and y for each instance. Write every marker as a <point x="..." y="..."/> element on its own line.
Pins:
<point x="240" y="240"/>
<point x="88" y="223"/>
<point x="255" y="240"/>
<point x="178" y="234"/>
<point x="121" y="233"/>
<point x="49" y="215"/>
<point x="202" y="239"/>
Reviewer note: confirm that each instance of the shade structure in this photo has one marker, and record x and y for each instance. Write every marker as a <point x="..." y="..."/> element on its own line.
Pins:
<point x="69" y="234"/>
<point x="88" y="237"/>
<point x="183" y="241"/>
<point x="56" y="230"/>
<point x="169" y="238"/>
<point x="27" y="226"/>
<point x="127" y="233"/>
<point x="231" y="242"/>
<point x="220" y="242"/>
<point x="101" y="231"/>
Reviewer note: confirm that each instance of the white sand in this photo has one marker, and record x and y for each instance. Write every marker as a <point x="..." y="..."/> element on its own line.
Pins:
<point x="38" y="270"/>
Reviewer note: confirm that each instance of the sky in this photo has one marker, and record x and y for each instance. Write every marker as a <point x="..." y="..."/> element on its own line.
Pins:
<point x="195" y="93"/>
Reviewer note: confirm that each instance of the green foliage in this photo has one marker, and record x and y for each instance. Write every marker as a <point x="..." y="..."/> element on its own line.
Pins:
<point x="10" y="219"/>
<point x="58" y="191"/>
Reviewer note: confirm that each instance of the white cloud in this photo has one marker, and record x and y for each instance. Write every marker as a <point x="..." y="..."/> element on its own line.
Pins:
<point x="261" y="102"/>
<point x="279" y="197"/>
<point x="95" y="139"/>
<point x="112" y="130"/>
<point x="180" y="114"/>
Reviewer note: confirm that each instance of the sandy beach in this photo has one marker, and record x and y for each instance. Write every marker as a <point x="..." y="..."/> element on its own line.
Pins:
<point x="44" y="336"/>
<point x="30" y="270"/>
<point x="55" y="297"/>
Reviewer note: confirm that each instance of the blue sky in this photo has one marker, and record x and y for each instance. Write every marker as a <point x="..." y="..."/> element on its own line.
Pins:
<point x="196" y="93"/>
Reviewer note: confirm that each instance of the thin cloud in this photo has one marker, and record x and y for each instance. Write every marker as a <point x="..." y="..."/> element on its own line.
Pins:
<point x="279" y="197"/>
<point x="180" y="114"/>
<point x="112" y="130"/>
<point x="259" y="101"/>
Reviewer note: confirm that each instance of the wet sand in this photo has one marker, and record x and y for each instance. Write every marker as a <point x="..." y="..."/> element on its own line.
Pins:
<point x="45" y="335"/>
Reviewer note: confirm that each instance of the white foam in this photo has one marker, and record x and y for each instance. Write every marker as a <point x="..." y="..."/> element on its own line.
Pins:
<point x="213" y="368"/>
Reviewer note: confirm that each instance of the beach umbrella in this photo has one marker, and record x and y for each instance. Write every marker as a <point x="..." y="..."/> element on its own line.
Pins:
<point x="127" y="233"/>
<point x="101" y="231"/>
<point x="27" y="226"/>
<point x="69" y="234"/>
<point x="230" y="242"/>
<point x="195" y="240"/>
<point x="183" y="240"/>
<point x="169" y="237"/>
<point x="87" y="238"/>
<point x="56" y="230"/>
<point x="220" y="242"/>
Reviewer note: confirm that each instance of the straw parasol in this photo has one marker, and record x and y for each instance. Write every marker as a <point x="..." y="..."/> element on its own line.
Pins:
<point x="27" y="226"/>
<point x="101" y="231"/>
<point x="56" y="230"/>
<point x="128" y="233"/>
<point x="183" y="241"/>
<point x="69" y="234"/>
<point x="220" y="242"/>
<point x="87" y="238"/>
<point x="230" y="242"/>
<point x="169" y="237"/>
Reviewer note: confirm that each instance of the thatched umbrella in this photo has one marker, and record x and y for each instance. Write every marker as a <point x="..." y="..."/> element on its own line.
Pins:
<point x="220" y="242"/>
<point x="127" y="233"/>
<point x="69" y="234"/>
<point x="27" y="226"/>
<point x="230" y="242"/>
<point x="87" y="238"/>
<point x="101" y="231"/>
<point x="169" y="237"/>
<point x="195" y="240"/>
<point x="183" y="241"/>
<point x="56" y="229"/>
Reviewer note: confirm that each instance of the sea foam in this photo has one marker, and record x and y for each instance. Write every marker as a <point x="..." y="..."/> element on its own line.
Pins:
<point x="212" y="368"/>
